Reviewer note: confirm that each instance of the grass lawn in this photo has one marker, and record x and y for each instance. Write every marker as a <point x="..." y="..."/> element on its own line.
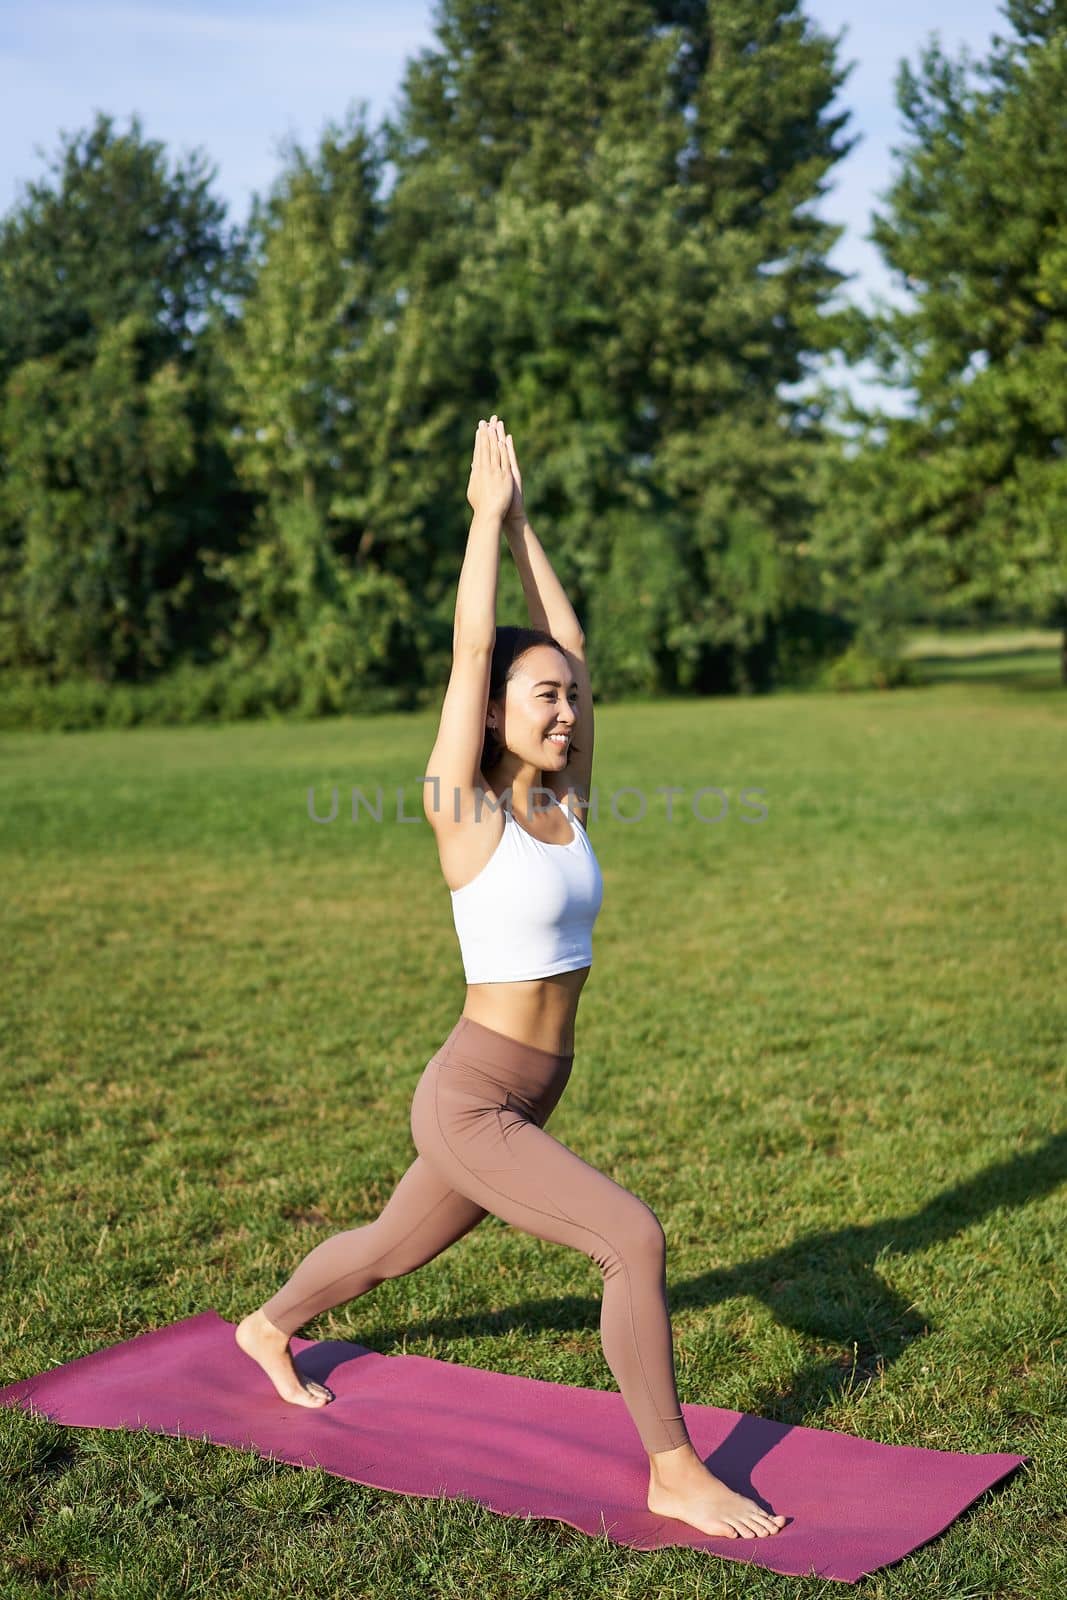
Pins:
<point x="827" y="1048"/>
<point x="1015" y="658"/>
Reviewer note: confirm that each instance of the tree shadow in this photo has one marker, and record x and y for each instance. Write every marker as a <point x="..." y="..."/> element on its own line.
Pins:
<point x="826" y="1285"/>
<point x="1031" y="667"/>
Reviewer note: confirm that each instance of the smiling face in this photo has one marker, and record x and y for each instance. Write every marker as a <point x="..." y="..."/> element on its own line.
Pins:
<point x="541" y="700"/>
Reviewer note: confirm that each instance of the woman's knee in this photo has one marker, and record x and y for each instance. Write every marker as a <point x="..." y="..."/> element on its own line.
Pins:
<point x="649" y="1230"/>
<point x="637" y="1235"/>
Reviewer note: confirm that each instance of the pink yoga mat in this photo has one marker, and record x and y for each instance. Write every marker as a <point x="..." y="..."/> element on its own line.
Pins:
<point x="519" y="1446"/>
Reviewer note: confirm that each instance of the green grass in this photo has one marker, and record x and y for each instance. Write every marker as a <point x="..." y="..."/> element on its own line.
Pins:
<point x="827" y="1049"/>
<point x="1015" y="659"/>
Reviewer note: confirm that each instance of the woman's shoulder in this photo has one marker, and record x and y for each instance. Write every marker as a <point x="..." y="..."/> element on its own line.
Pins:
<point x="568" y="796"/>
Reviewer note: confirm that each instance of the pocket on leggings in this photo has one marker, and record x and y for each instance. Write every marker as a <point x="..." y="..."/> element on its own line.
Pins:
<point x="473" y="1128"/>
<point x="510" y="1116"/>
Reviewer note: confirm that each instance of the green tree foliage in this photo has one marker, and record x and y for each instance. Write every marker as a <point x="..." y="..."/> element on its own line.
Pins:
<point x="316" y="615"/>
<point x="962" y="503"/>
<point x="310" y="253"/>
<point x="600" y="229"/>
<point x="111" y="471"/>
<point x="600" y="226"/>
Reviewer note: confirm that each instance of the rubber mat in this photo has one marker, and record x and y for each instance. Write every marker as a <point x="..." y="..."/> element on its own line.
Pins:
<point x="521" y="1447"/>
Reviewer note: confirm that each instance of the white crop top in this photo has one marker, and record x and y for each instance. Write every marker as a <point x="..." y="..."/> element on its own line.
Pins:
<point x="530" y="911"/>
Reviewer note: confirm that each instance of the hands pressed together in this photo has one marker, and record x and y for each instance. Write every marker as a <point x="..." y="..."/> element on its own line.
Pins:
<point x="495" y="486"/>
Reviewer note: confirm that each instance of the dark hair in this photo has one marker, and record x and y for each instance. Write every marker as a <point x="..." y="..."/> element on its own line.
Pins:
<point x="510" y="645"/>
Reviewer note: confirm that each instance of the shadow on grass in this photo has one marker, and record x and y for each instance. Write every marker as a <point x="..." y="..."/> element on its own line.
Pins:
<point x="826" y="1285"/>
<point x="1031" y="668"/>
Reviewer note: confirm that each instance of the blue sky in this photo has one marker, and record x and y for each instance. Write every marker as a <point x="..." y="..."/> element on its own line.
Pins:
<point x="235" y="77"/>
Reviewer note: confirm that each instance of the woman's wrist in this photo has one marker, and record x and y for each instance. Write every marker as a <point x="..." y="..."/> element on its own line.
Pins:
<point x="488" y="518"/>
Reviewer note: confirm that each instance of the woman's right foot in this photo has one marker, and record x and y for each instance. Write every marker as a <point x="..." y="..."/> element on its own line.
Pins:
<point x="269" y="1346"/>
<point x="685" y="1489"/>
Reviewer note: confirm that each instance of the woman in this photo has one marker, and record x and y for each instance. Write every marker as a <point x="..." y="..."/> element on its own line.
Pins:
<point x="525" y="895"/>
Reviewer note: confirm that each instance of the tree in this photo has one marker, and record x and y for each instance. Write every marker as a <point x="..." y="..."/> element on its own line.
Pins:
<point x="962" y="503"/>
<point x="325" y="622"/>
<point x="601" y="228"/>
<point x="311" y="262"/>
<point x="111" y="278"/>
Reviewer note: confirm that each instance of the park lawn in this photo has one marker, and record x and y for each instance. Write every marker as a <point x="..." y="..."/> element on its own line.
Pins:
<point x="1012" y="657"/>
<point x="826" y="1047"/>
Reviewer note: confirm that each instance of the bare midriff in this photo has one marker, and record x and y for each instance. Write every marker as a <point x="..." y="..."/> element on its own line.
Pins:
<point x="539" y="1011"/>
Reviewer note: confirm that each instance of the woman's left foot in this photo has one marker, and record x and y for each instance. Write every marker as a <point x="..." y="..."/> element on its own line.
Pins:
<point x="269" y="1346"/>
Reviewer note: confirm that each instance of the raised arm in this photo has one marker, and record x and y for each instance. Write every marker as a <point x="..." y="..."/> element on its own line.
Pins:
<point x="475" y="621"/>
<point x="546" y="598"/>
<point x="549" y="608"/>
<point x="489" y="494"/>
<point x="453" y="770"/>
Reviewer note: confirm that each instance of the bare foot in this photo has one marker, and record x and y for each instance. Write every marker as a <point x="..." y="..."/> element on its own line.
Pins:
<point x="684" y="1488"/>
<point x="259" y="1338"/>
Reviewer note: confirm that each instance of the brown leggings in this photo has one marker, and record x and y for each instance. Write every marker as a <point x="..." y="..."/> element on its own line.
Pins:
<point x="477" y="1120"/>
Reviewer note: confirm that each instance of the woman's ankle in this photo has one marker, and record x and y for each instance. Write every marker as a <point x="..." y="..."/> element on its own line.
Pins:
<point x="669" y="1463"/>
<point x="272" y="1326"/>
